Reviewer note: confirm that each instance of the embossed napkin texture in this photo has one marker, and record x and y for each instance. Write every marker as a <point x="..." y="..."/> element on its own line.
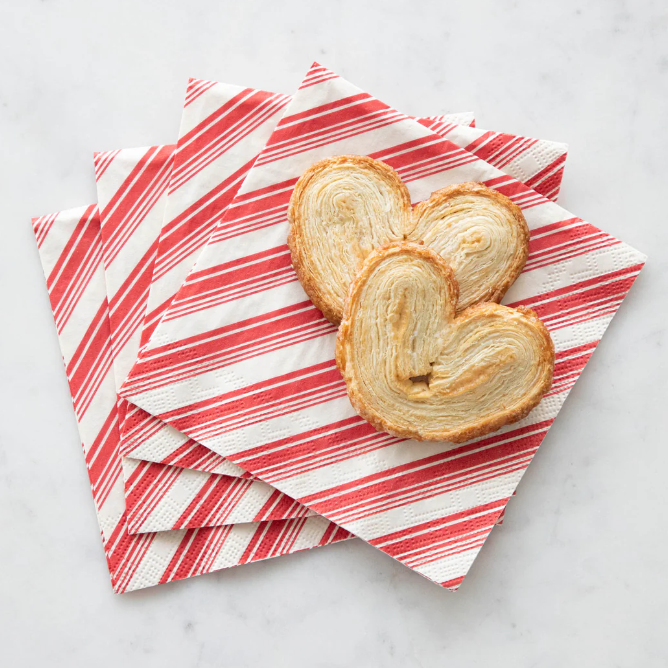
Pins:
<point x="251" y="376"/>
<point x="224" y="127"/>
<point x="70" y="250"/>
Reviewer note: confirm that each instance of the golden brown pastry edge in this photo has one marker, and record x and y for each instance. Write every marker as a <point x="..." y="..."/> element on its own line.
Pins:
<point x="495" y="293"/>
<point x="454" y="436"/>
<point x="296" y="244"/>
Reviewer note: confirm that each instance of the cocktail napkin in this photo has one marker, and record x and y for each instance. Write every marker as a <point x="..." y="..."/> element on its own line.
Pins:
<point x="252" y="376"/>
<point x="130" y="186"/>
<point x="71" y="256"/>
<point x="223" y="129"/>
<point x="132" y="193"/>
<point x="211" y="111"/>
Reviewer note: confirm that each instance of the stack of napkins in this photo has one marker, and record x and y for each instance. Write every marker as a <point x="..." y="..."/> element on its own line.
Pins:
<point x="215" y="425"/>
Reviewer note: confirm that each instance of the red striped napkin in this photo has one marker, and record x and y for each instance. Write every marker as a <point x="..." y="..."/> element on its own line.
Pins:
<point x="252" y="376"/>
<point x="70" y="250"/>
<point x="133" y="197"/>
<point x="132" y="192"/>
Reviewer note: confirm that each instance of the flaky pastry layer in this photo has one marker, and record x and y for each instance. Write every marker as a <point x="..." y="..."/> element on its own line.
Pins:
<point x="480" y="233"/>
<point x="417" y="368"/>
<point x="344" y="207"/>
<point x="340" y="210"/>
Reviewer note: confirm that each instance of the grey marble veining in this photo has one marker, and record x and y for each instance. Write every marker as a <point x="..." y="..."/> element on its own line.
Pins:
<point x="577" y="575"/>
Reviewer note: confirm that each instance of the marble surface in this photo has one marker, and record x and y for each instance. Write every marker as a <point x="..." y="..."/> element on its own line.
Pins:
<point x="577" y="575"/>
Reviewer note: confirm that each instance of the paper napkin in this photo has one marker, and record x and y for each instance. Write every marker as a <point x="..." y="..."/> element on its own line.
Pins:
<point x="131" y="185"/>
<point x="71" y="255"/>
<point x="223" y="129"/>
<point x="252" y="377"/>
<point x="132" y="193"/>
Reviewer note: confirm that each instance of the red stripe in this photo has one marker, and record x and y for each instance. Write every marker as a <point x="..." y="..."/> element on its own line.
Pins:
<point x="212" y="285"/>
<point x="192" y="455"/>
<point x="571" y="229"/>
<point x="545" y="177"/>
<point x="102" y="459"/>
<point x="75" y="266"/>
<point x="437" y="462"/>
<point x="408" y="155"/>
<point x="564" y="240"/>
<point x="499" y="148"/>
<point x="490" y="143"/>
<point x="266" y="540"/>
<point x="102" y="162"/>
<point x="333" y="533"/>
<point x="193" y="544"/>
<point x="247" y="338"/>
<point x="326" y="123"/>
<point x="90" y="361"/>
<point x="42" y="226"/>
<point x="321" y="79"/>
<point x="128" y="304"/>
<point x="190" y="229"/>
<point x="153" y="317"/>
<point x="140" y="183"/>
<point x="454" y="583"/>
<point x="128" y="554"/>
<point x="345" y="438"/>
<point x="205" y="508"/>
<point x="138" y="427"/>
<point x="119" y="548"/>
<point x="569" y="365"/>
<point x="279" y="506"/>
<point x="331" y="135"/>
<point x="422" y="475"/>
<point x="260" y="208"/>
<point x="196" y="88"/>
<point x="397" y="539"/>
<point x="579" y="294"/>
<point x="238" y="403"/>
<point x="437" y="124"/>
<point x="437" y="166"/>
<point x="321" y="110"/>
<point x="145" y="488"/>
<point x="198" y="136"/>
<point x="522" y="196"/>
<point x="217" y="133"/>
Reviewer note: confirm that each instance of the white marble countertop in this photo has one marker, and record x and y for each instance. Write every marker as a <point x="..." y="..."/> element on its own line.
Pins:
<point x="577" y="575"/>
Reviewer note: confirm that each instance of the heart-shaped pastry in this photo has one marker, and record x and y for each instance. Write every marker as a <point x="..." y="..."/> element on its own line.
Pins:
<point x="416" y="368"/>
<point x="344" y="207"/>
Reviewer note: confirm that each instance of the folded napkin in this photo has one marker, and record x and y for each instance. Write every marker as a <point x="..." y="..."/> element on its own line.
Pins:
<point x="70" y="251"/>
<point x="132" y="193"/>
<point x="71" y="254"/>
<point x="223" y="129"/>
<point x="131" y="184"/>
<point x="201" y="199"/>
<point x="252" y="376"/>
<point x="132" y="196"/>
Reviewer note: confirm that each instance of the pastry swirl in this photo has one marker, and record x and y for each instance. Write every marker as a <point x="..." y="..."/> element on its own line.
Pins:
<point x="416" y="368"/>
<point x="341" y="209"/>
<point x="480" y="233"/>
<point x="344" y="207"/>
